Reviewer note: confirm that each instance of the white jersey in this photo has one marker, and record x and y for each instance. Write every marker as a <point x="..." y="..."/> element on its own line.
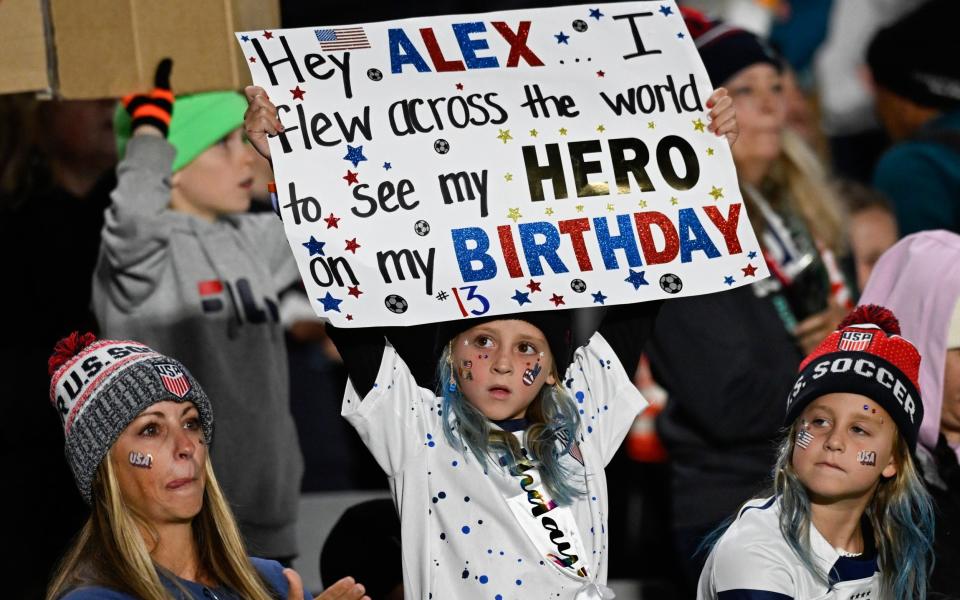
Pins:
<point x="469" y="532"/>
<point x="752" y="561"/>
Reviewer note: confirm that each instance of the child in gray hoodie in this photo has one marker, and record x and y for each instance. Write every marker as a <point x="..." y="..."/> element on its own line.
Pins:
<point x="184" y="269"/>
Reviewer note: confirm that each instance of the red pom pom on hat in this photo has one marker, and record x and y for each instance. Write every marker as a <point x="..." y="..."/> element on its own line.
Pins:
<point x="67" y="348"/>
<point x="697" y="23"/>
<point x="872" y="314"/>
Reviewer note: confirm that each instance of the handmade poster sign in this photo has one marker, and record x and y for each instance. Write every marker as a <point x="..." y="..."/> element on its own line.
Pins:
<point x="458" y="166"/>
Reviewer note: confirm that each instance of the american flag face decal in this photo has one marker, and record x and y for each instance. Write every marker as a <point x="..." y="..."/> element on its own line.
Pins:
<point x="855" y="341"/>
<point x="804" y="438"/>
<point x="174" y="379"/>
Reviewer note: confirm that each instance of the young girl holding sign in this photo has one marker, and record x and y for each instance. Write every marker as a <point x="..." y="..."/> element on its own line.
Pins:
<point x="499" y="481"/>
<point x="850" y="517"/>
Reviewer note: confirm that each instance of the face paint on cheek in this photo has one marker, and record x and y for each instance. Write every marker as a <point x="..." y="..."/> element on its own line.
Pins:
<point x="867" y="458"/>
<point x="139" y="459"/>
<point x="465" y="373"/>
<point x="804" y="437"/>
<point x="530" y="375"/>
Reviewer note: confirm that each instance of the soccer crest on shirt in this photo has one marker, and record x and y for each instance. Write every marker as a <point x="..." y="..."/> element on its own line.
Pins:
<point x="174" y="379"/>
<point x="855" y="341"/>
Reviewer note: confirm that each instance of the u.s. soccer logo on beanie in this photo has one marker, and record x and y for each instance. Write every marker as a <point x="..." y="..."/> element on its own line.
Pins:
<point x="855" y="341"/>
<point x="174" y="379"/>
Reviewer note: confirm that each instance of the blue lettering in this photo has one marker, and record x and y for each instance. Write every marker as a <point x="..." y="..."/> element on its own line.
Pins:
<point x="399" y="41"/>
<point x="689" y="223"/>
<point x="626" y="241"/>
<point x="468" y="47"/>
<point x="468" y="254"/>
<point x="533" y="251"/>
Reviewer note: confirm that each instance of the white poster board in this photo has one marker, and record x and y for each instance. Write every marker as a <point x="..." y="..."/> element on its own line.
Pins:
<point x="458" y="166"/>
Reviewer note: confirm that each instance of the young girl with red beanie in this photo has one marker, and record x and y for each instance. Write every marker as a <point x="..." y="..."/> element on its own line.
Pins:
<point x="849" y="516"/>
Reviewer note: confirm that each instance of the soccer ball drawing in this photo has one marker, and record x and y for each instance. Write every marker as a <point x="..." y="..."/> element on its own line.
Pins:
<point x="671" y="283"/>
<point x="395" y="304"/>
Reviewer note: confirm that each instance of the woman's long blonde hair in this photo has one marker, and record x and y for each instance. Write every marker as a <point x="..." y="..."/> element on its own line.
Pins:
<point x="111" y="551"/>
<point x="798" y="182"/>
<point x="900" y="514"/>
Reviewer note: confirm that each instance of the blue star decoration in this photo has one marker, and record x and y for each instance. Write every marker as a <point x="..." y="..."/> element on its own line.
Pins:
<point x="330" y="303"/>
<point x="244" y="38"/>
<point x="666" y="10"/>
<point x="728" y="280"/>
<point x="598" y="298"/>
<point x="562" y="38"/>
<point x="595" y="13"/>
<point x="355" y="155"/>
<point x="637" y="279"/>
<point x="314" y="246"/>
<point x="521" y="298"/>
<point x="752" y="255"/>
<point x="387" y="166"/>
<point x="680" y="35"/>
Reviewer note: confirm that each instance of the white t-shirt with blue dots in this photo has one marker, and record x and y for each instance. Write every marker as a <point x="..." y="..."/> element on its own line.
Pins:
<point x="471" y="533"/>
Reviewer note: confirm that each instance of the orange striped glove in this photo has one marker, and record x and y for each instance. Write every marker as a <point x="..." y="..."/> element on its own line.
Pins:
<point x="155" y="108"/>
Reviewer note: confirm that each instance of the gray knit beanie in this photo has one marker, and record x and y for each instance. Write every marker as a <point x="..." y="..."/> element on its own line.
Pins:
<point x="99" y="386"/>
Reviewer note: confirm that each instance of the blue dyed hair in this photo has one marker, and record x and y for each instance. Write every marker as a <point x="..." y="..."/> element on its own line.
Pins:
<point x="900" y="512"/>
<point x="554" y="422"/>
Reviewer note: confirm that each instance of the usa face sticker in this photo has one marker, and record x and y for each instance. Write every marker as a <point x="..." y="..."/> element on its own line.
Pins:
<point x="867" y="458"/>
<point x="465" y="373"/>
<point x="530" y="375"/>
<point x="139" y="459"/>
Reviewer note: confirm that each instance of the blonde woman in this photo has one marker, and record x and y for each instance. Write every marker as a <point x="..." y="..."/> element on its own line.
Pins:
<point x="137" y="425"/>
<point x="727" y="359"/>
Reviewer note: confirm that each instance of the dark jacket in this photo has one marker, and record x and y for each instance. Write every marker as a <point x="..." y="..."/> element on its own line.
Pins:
<point x="943" y="482"/>
<point x="728" y="362"/>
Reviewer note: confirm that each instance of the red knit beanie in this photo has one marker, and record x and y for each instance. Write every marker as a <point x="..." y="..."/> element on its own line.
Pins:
<point x="866" y="356"/>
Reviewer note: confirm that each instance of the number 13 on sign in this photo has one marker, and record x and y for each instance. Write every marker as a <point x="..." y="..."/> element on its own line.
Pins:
<point x="472" y="295"/>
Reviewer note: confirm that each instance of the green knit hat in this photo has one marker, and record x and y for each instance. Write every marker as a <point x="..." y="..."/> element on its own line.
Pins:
<point x="199" y="121"/>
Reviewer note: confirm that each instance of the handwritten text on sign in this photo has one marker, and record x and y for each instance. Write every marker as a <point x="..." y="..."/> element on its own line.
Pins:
<point x="449" y="167"/>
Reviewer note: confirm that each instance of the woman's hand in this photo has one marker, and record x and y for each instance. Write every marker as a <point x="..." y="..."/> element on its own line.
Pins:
<point x="260" y="120"/>
<point x="723" y="117"/>
<point x="345" y="589"/>
<point x="814" y="329"/>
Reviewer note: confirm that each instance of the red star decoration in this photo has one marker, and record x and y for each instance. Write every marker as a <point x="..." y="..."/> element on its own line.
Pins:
<point x="252" y="59"/>
<point x="600" y="73"/>
<point x="349" y="317"/>
<point x="332" y="220"/>
<point x="352" y="245"/>
<point x="459" y="86"/>
<point x="298" y="93"/>
<point x="351" y="177"/>
<point x="354" y="290"/>
<point x="749" y="271"/>
<point x="557" y="300"/>
<point x="534" y="286"/>
<point x="268" y="35"/>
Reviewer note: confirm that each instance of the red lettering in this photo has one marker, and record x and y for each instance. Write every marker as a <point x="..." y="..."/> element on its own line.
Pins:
<point x="509" y="251"/>
<point x="671" y="248"/>
<point x="575" y="228"/>
<point x="436" y="55"/>
<point x="727" y="226"/>
<point x="518" y="44"/>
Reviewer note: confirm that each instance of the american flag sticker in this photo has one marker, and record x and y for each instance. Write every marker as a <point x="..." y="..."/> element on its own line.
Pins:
<point x="174" y="379"/>
<point x="342" y="38"/>
<point x="804" y="438"/>
<point x="855" y="341"/>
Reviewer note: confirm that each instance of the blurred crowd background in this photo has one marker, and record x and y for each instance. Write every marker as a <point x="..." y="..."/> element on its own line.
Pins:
<point x="840" y="155"/>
